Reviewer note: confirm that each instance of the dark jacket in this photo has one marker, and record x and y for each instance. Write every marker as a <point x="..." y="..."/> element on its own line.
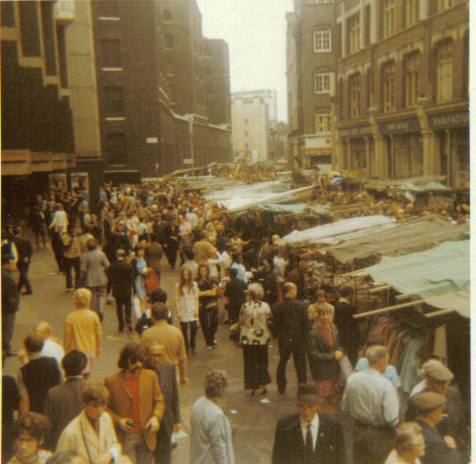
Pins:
<point x="39" y="375"/>
<point x="235" y="292"/>
<point x="320" y="354"/>
<point x="290" y="323"/>
<point x="24" y="249"/>
<point x="10" y="293"/>
<point x="121" y="276"/>
<point x="168" y="384"/>
<point x="348" y="328"/>
<point x="289" y="442"/>
<point x="436" y="450"/>
<point x="63" y="403"/>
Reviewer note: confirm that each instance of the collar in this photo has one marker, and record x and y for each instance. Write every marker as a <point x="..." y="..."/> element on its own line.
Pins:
<point x="35" y="356"/>
<point x="314" y="423"/>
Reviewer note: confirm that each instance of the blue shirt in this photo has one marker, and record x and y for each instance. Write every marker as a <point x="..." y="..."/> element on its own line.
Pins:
<point x="390" y="372"/>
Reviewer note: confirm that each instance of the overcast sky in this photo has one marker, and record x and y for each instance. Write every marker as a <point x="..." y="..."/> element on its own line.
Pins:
<point x="255" y="31"/>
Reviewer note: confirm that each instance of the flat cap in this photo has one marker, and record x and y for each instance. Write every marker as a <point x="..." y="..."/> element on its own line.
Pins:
<point x="308" y="394"/>
<point x="428" y="401"/>
<point x="437" y="371"/>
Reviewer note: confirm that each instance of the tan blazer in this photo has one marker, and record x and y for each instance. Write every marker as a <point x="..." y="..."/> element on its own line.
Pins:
<point x="151" y="401"/>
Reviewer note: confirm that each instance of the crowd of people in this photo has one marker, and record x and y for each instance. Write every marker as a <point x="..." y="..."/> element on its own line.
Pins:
<point x="231" y="271"/>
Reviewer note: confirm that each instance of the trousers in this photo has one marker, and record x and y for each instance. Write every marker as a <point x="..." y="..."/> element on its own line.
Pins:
<point x="299" y="357"/>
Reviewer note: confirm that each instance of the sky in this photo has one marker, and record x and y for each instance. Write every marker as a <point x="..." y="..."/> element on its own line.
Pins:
<point x="255" y="31"/>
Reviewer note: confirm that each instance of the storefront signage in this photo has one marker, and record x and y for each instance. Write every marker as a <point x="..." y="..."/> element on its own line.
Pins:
<point x="398" y="127"/>
<point x="357" y="131"/>
<point x="449" y="120"/>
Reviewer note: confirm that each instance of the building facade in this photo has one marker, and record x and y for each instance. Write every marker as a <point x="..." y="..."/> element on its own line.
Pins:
<point x="37" y="122"/>
<point x="250" y="126"/>
<point x="401" y="105"/>
<point x="151" y="84"/>
<point x="310" y="70"/>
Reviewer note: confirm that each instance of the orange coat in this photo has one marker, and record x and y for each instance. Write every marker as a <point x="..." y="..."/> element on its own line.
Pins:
<point x="151" y="401"/>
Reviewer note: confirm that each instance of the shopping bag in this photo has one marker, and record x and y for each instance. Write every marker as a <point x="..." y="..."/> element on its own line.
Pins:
<point x="346" y="370"/>
<point x="136" y="306"/>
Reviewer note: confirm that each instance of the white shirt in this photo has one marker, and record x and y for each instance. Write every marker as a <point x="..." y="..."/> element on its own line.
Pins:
<point x="187" y="303"/>
<point x="53" y="350"/>
<point x="371" y="398"/>
<point x="314" y="429"/>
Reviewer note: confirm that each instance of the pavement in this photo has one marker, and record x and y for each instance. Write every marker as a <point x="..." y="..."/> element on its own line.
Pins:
<point x="253" y="418"/>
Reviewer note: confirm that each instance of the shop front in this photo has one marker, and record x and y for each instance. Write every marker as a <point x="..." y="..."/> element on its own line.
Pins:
<point x="403" y="145"/>
<point x="357" y="149"/>
<point x="451" y="131"/>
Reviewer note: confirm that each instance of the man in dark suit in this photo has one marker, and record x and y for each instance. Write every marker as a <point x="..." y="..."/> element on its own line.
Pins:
<point x="25" y="251"/>
<point x="10" y="302"/>
<point x="168" y="384"/>
<point x="64" y="402"/>
<point x="290" y="325"/>
<point x="37" y="376"/>
<point x="235" y="292"/>
<point x="121" y="276"/>
<point x="309" y="437"/>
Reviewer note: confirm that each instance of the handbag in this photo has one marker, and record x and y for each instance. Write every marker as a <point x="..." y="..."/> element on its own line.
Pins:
<point x="346" y="370"/>
<point x="235" y="333"/>
<point x="151" y="281"/>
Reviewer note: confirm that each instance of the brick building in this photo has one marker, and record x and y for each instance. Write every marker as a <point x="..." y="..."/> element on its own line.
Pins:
<point x="310" y="70"/>
<point x="401" y="102"/>
<point x="150" y="73"/>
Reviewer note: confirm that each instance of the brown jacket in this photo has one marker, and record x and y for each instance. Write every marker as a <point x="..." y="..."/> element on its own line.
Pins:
<point x="151" y="401"/>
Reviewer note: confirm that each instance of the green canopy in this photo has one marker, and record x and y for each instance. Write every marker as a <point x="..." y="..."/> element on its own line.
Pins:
<point x="437" y="271"/>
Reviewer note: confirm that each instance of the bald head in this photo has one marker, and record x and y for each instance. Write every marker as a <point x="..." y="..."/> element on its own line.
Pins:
<point x="43" y="329"/>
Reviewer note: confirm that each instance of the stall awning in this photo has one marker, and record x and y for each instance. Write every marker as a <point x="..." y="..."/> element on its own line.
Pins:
<point x="297" y="208"/>
<point x="430" y="274"/>
<point x="328" y="233"/>
<point x="407" y="237"/>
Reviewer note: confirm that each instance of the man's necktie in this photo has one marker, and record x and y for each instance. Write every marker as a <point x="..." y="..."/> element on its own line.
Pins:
<point x="309" y="447"/>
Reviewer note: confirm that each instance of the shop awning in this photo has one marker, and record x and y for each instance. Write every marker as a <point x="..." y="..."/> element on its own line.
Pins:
<point x="431" y="273"/>
<point x="407" y="237"/>
<point x="297" y="208"/>
<point x="328" y="233"/>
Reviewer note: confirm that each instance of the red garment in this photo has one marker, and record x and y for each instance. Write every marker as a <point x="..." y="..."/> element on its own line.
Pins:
<point x="133" y="383"/>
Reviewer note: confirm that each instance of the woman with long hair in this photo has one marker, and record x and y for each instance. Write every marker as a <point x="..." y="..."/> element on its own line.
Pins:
<point x="254" y="338"/>
<point x="186" y="305"/>
<point x="208" y="305"/>
<point x="324" y="354"/>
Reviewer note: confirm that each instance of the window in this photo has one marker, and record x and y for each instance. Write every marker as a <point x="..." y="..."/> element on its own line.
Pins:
<point x="323" y="121"/>
<point x="353" y="25"/>
<point x="368" y="93"/>
<point x="7" y="14"/>
<point x="29" y="29"/>
<point x="246" y="133"/>
<point x="367" y="25"/>
<point x="49" y="45"/>
<point x="322" y="82"/>
<point x="208" y="71"/>
<point x="355" y="95"/>
<point x="412" y="76"/>
<point x="411" y="12"/>
<point x="116" y="149"/>
<point x="169" y="41"/>
<point x="465" y="79"/>
<point x="169" y="68"/>
<point x="339" y="40"/>
<point x="388" y="87"/>
<point x="444" y="5"/>
<point x="322" y="39"/>
<point x="114" y="102"/>
<point x="444" y="71"/>
<point x="108" y="9"/>
<point x="388" y="18"/>
<point x="167" y="16"/>
<point x="110" y="53"/>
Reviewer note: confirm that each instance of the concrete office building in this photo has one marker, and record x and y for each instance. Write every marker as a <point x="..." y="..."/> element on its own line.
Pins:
<point x="402" y="88"/>
<point x="250" y="127"/>
<point x="310" y="70"/>
<point x="37" y="122"/>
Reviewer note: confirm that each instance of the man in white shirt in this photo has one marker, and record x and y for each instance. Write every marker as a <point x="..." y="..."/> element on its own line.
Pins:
<point x="309" y="436"/>
<point x="371" y="400"/>
<point x="51" y="347"/>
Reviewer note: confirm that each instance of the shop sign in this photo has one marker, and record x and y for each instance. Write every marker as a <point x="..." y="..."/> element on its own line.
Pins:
<point x="448" y="120"/>
<point x="357" y="131"/>
<point x="399" y="127"/>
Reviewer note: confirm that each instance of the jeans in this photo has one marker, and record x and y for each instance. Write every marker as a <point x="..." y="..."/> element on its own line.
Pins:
<point x="124" y="308"/>
<point x="193" y="333"/>
<point x="209" y="323"/>
<point x="24" y="281"/>
<point x="135" y="446"/>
